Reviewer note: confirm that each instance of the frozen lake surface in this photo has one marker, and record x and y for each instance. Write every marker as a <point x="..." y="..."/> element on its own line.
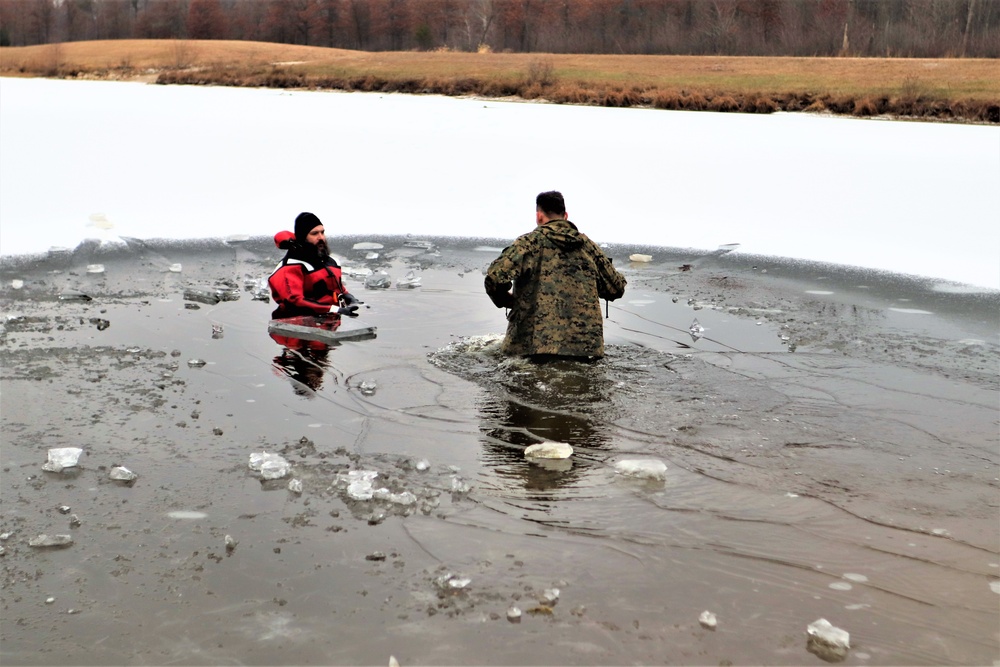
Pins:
<point x="85" y="159"/>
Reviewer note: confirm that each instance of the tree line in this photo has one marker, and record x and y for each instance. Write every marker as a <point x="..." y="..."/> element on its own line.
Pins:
<point x="863" y="28"/>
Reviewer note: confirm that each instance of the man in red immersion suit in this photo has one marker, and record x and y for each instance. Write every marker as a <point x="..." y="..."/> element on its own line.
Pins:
<point x="308" y="281"/>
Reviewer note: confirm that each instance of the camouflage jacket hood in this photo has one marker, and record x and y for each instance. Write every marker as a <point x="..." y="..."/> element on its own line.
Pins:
<point x="552" y="279"/>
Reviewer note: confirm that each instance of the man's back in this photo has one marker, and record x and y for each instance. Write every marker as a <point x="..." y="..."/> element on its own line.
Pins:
<point x="559" y="276"/>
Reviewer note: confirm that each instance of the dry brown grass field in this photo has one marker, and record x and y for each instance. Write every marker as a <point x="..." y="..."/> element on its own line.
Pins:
<point x="940" y="89"/>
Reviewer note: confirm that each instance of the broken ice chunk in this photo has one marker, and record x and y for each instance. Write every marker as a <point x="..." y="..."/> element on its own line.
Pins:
<point x="696" y="330"/>
<point x="549" y="450"/>
<point x="642" y="468"/>
<point x="62" y="457"/>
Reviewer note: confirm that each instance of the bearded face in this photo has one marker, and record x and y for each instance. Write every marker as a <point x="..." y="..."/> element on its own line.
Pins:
<point x="322" y="249"/>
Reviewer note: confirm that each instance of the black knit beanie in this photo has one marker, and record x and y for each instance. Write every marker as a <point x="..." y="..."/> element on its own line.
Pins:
<point x="304" y="223"/>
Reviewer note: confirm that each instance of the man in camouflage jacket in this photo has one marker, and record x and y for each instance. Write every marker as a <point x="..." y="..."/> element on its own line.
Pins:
<point x="552" y="280"/>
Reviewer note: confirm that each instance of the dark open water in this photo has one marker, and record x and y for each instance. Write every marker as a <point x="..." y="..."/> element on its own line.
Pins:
<point x="854" y="479"/>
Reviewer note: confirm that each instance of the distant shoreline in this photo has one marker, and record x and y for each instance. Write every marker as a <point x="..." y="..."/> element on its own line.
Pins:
<point x="939" y="90"/>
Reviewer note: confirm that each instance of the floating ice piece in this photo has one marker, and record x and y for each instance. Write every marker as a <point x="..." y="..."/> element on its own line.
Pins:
<point x="995" y="587"/>
<point x="696" y="330"/>
<point x="356" y="272"/>
<point x="422" y="245"/>
<point x="122" y="474"/>
<point x="17" y="283"/>
<point x="422" y="465"/>
<point x="361" y="484"/>
<point x="196" y="363"/>
<point x="371" y="255"/>
<point x="44" y="540"/>
<point x="728" y="247"/>
<point x="637" y="257"/>
<point x="368" y="245"/>
<point x="270" y="466"/>
<point x="217" y="331"/>
<point x="187" y="514"/>
<point x="237" y="238"/>
<point x="95" y="268"/>
<point x="550" y="596"/>
<point x="368" y="387"/>
<point x="175" y="268"/>
<point x="549" y="450"/>
<point x="409" y="281"/>
<point x="62" y="457"/>
<point x="827" y="641"/>
<point x="708" y="620"/>
<point x="459" y="485"/>
<point x="514" y="615"/>
<point x="71" y="295"/>
<point x="642" y="468"/>
<point x="380" y="280"/>
<point x="230" y="543"/>
<point x="393" y="662"/>
<point x="453" y="582"/>
<point x="295" y="486"/>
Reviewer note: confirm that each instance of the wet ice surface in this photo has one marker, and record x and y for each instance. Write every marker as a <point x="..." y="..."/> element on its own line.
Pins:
<point x="854" y="479"/>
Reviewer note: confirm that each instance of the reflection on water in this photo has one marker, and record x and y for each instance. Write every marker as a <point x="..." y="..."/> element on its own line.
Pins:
<point x="304" y="362"/>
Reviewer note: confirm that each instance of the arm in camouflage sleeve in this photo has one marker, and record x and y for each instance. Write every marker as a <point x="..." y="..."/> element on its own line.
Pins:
<point x="500" y="277"/>
<point x="610" y="283"/>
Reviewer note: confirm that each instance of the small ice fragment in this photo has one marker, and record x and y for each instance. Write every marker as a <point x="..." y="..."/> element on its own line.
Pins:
<point x="186" y="514"/>
<point x="95" y="268"/>
<point x="393" y="662"/>
<point x="217" y="331"/>
<point x="459" y="582"/>
<point x="995" y="587"/>
<point x="270" y="466"/>
<point x="5" y="536"/>
<point x="550" y="596"/>
<point x="44" y="540"/>
<point x="49" y="600"/>
<point x="196" y="363"/>
<point x="71" y="295"/>
<point x="3" y="552"/>
<point x="230" y="543"/>
<point x="708" y="620"/>
<point x="74" y="521"/>
<point x="368" y="388"/>
<point x="549" y="450"/>
<point x="380" y="280"/>
<point x="405" y="498"/>
<point x="823" y="632"/>
<point x="728" y="247"/>
<point x="642" y="468"/>
<point x="696" y="329"/>
<point x="860" y="578"/>
<point x="409" y="281"/>
<point x="841" y="586"/>
<point x="371" y="255"/>
<point x="368" y="245"/>
<point x="295" y="486"/>
<point x="637" y="257"/>
<point x="175" y="268"/>
<point x="375" y="556"/>
<point x="459" y="485"/>
<point x="422" y="465"/>
<point x="122" y="474"/>
<point x="65" y="509"/>
<point x="237" y="238"/>
<point x="360" y="484"/>
<point x="514" y="615"/>
<point x="17" y="283"/>
<point x="62" y="457"/>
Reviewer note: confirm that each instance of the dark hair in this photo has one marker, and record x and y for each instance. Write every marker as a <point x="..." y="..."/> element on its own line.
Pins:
<point x="551" y="203"/>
